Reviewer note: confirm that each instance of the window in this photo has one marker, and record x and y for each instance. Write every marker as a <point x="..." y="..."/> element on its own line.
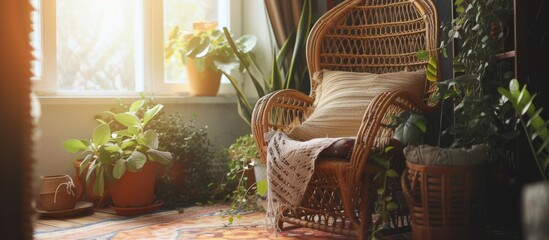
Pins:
<point x="90" y="47"/>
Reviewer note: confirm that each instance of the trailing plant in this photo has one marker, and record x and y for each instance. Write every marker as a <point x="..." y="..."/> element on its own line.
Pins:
<point x="109" y="155"/>
<point x="189" y="146"/>
<point x="409" y="129"/>
<point x="478" y="31"/>
<point x="533" y="125"/>
<point x="243" y="156"/>
<point x="283" y="72"/>
<point x="384" y="203"/>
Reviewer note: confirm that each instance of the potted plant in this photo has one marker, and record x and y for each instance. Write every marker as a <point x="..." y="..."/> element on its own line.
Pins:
<point x="247" y="176"/>
<point x="475" y="125"/>
<point x="285" y="72"/>
<point x="188" y="178"/>
<point x="536" y="133"/>
<point x="200" y="50"/>
<point x="123" y="160"/>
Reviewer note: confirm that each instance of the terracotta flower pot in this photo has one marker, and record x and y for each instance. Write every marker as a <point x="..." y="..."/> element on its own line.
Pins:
<point x="202" y="83"/>
<point x="176" y="172"/>
<point x="134" y="189"/>
<point x="57" y="192"/>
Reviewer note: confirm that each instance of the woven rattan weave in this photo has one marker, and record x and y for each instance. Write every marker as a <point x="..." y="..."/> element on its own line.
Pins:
<point x="376" y="36"/>
<point x="440" y="199"/>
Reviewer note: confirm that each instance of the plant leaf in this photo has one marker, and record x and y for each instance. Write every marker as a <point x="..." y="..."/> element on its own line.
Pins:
<point x="262" y="187"/>
<point x="128" y="120"/>
<point x="236" y="52"/>
<point x="149" y="139"/>
<point x="127" y="144"/>
<point x="149" y="114"/>
<point x="423" y="55"/>
<point x="303" y="29"/>
<point x="101" y="135"/>
<point x="111" y="147"/>
<point x="74" y="145"/>
<point x="247" y="43"/>
<point x="391" y="173"/>
<point x="391" y="206"/>
<point x="136" y="161"/>
<point x="432" y="74"/>
<point x="412" y="128"/>
<point x="119" y="169"/>
<point x="164" y="158"/>
<point x="99" y="184"/>
<point x="136" y="106"/>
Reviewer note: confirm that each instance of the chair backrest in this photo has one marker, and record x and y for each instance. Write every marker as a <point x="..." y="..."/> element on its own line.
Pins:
<point x="376" y="36"/>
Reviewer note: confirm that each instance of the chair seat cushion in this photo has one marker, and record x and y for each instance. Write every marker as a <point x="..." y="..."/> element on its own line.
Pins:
<point x="342" y="98"/>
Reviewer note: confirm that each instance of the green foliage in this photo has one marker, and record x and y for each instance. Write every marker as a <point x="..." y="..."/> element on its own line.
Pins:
<point x="478" y="30"/>
<point x="533" y="124"/>
<point x="206" y="43"/>
<point x="243" y="156"/>
<point x="480" y="27"/>
<point x="410" y="128"/>
<point x="283" y="67"/>
<point x="188" y="144"/>
<point x="385" y="203"/>
<point x="109" y="155"/>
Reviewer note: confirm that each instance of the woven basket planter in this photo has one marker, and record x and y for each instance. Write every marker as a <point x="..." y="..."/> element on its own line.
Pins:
<point x="440" y="199"/>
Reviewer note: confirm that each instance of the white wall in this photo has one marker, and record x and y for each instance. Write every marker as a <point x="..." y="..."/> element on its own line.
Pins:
<point x="63" y="119"/>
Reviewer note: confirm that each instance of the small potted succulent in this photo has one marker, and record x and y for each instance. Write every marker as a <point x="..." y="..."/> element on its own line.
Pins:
<point x="121" y="160"/>
<point x="201" y="51"/>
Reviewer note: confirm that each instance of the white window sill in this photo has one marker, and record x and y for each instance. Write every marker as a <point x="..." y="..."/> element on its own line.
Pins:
<point x="100" y="100"/>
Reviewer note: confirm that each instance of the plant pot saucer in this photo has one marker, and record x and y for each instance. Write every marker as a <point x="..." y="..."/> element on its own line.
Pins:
<point x="79" y="209"/>
<point x="132" y="211"/>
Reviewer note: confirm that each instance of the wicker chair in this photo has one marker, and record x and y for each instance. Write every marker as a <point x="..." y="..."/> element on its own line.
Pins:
<point x="376" y="36"/>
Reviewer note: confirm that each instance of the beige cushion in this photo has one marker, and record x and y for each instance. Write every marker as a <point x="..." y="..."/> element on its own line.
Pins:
<point x="342" y="98"/>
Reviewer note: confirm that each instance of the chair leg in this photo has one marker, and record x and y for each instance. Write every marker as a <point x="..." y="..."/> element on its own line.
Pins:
<point x="279" y="223"/>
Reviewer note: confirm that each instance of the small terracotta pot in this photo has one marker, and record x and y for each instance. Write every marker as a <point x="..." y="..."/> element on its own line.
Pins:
<point x="57" y="192"/>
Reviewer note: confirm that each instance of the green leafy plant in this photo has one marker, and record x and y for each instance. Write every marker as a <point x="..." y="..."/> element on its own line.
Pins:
<point x="243" y="156"/>
<point x="533" y="125"/>
<point x="109" y="155"/>
<point x="283" y="72"/>
<point x="409" y="129"/>
<point x="189" y="146"/>
<point x="479" y="30"/>
<point x="205" y="45"/>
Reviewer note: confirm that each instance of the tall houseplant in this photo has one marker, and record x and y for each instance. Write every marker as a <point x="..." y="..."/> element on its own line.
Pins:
<point x="201" y="51"/>
<point x="478" y="124"/>
<point x="111" y="156"/>
<point x="283" y="72"/>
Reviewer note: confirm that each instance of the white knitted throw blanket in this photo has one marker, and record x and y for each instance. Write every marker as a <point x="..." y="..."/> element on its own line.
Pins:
<point x="290" y="166"/>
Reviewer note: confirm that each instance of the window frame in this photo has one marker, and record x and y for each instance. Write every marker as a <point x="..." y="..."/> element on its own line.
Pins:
<point x="153" y="60"/>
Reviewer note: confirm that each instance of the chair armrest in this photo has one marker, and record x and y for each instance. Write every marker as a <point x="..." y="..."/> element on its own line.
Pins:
<point x="280" y="110"/>
<point x="374" y="132"/>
